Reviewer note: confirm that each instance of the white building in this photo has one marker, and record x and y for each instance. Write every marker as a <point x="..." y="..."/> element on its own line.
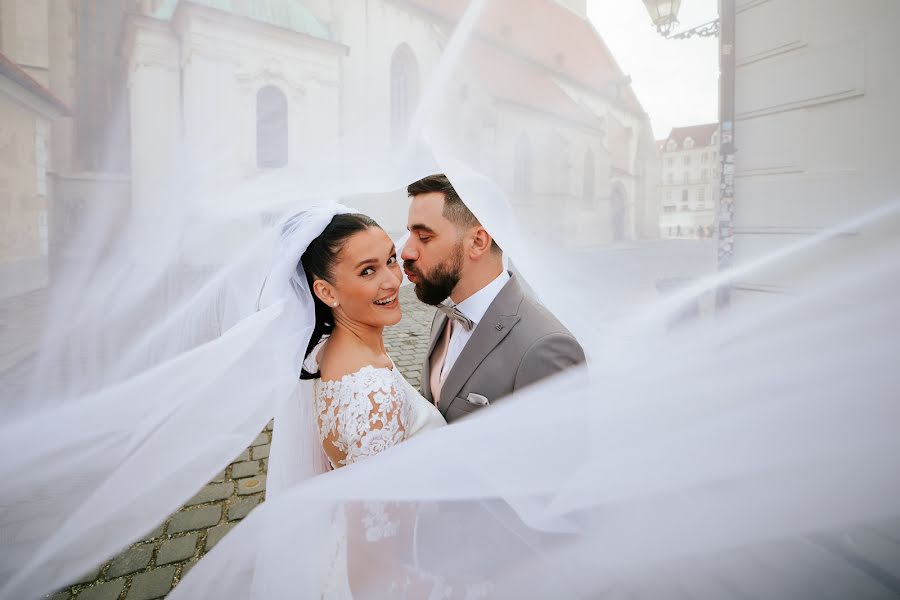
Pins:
<point x="560" y="129"/>
<point x="817" y="91"/>
<point x="688" y="190"/>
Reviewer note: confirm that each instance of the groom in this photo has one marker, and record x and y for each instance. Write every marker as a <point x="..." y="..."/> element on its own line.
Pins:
<point x="492" y="338"/>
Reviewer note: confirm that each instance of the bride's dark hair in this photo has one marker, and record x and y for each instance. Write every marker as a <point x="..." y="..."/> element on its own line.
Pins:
<point x="318" y="262"/>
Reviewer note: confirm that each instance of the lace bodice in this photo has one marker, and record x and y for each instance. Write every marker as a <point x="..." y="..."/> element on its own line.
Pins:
<point x="361" y="414"/>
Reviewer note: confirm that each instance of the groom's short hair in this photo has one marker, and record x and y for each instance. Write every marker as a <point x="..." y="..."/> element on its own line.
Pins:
<point x="455" y="210"/>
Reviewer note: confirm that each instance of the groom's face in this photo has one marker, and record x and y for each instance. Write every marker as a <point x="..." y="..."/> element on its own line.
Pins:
<point x="433" y="256"/>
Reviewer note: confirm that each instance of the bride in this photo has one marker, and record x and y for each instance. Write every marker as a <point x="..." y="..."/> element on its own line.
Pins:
<point x="363" y="404"/>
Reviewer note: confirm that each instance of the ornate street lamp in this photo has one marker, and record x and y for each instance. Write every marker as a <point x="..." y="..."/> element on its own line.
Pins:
<point x="664" y="14"/>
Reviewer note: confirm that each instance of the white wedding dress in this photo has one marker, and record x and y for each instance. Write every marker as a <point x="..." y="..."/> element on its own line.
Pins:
<point x="360" y="415"/>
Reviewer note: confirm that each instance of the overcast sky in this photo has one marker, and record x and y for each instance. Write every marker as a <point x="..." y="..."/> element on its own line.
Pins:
<point x="675" y="80"/>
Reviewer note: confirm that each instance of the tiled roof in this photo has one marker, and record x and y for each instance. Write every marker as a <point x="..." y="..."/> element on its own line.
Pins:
<point x="286" y="14"/>
<point x="701" y="134"/>
<point x="548" y="34"/>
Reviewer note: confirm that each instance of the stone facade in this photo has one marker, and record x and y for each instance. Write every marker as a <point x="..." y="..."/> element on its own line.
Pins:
<point x="161" y="85"/>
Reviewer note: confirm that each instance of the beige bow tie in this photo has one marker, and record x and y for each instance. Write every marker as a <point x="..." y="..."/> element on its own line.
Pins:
<point x="453" y="314"/>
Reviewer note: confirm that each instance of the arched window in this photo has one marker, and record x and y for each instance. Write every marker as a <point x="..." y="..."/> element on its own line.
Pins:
<point x="522" y="170"/>
<point x="404" y="92"/>
<point x="271" y="128"/>
<point x="684" y="196"/>
<point x="587" y="192"/>
<point x="688" y="143"/>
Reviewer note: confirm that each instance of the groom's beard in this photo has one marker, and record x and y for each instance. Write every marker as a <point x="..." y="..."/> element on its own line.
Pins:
<point x="436" y="287"/>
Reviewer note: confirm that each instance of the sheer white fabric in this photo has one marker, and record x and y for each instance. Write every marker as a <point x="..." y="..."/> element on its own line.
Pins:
<point x="726" y="455"/>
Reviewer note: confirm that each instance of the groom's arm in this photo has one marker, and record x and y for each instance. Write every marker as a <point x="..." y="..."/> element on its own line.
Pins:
<point x="549" y="354"/>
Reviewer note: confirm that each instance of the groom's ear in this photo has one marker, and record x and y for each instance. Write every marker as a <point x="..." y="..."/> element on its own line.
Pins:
<point x="481" y="242"/>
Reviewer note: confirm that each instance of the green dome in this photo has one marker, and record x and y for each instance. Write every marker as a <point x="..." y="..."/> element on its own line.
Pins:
<point x="286" y="14"/>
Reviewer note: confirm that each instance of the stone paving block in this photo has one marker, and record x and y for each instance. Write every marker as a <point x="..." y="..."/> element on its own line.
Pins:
<point x="216" y="534"/>
<point x="271" y="425"/>
<point x="262" y="438"/>
<point x="251" y="485"/>
<point x="261" y="452"/>
<point x="245" y="455"/>
<point x="212" y="492"/>
<point x="60" y="595"/>
<point x="152" y="584"/>
<point x="103" y="591"/>
<point x="220" y="477"/>
<point x="195" y="518"/>
<point x="177" y="549"/>
<point x="133" y="559"/>
<point x="244" y="469"/>
<point x="242" y="507"/>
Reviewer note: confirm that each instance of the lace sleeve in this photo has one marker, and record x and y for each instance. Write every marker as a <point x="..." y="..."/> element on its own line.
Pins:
<point x="360" y="415"/>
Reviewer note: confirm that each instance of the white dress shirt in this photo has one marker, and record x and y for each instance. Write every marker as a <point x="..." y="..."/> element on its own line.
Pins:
<point x="473" y="308"/>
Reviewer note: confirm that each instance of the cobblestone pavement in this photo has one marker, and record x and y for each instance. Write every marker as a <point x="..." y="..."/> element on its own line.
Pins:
<point x="149" y="568"/>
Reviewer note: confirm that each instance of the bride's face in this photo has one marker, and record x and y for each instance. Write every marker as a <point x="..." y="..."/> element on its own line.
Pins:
<point x="367" y="279"/>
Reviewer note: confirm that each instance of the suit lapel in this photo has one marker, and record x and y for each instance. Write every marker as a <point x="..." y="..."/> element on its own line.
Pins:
<point x="439" y="324"/>
<point x="498" y="321"/>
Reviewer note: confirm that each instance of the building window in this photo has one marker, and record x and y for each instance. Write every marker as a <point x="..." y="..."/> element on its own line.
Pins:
<point x="685" y="196"/>
<point x="701" y="197"/>
<point x="671" y="145"/>
<point x="670" y="178"/>
<point x="404" y="92"/>
<point x="686" y="177"/>
<point x="704" y="174"/>
<point x="587" y="191"/>
<point x="522" y="187"/>
<point x="688" y="143"/>
<point x="271" y="128"/>
<point x="669" y="195"/>
<point x="670" y="162"/>
<point x="668" y="209"/>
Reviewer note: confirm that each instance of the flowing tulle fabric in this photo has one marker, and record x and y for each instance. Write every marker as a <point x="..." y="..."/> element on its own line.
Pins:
<point x="725" y="457"/>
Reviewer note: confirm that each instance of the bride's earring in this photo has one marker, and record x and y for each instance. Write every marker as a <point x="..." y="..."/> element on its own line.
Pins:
<point x="334" y="304"/>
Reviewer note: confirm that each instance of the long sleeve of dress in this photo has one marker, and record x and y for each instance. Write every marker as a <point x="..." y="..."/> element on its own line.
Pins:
<point x="360" y="415"/>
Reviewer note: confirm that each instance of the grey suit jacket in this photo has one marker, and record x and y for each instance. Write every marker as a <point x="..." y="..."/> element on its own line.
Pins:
<point x="518" y="342"/>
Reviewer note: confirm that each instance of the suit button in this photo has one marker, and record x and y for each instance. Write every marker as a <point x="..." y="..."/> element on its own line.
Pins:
<point x="499" y="327"/>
